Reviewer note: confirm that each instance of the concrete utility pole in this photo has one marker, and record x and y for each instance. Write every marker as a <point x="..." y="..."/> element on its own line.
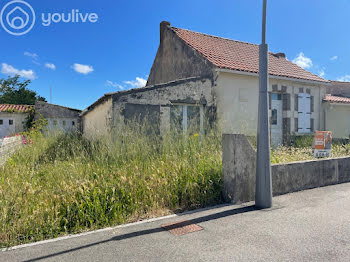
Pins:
<point x="263" y="193"/>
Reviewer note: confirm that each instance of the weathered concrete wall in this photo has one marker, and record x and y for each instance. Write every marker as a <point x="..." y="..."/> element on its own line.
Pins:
<point x="238" y="171"/>
<point x="237" y="102"/>
<point x="8" y="146"/>
<point x="54" y="111"/>
<point x="98" y="121"/>
<point x="19" y="123"/>
<point x="176" y="60"/>
<point x="59" y="118"/>
<point x="239" y="166"/>
<point x="187" y="91"/>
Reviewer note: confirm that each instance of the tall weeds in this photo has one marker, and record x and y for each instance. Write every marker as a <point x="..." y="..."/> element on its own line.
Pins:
<point x="64" y="184"/>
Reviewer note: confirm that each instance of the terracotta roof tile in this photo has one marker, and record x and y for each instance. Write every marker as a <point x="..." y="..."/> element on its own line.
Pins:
<point x="15" y="108"/>
<point x="241" y="56"/>
<point x="337" y="99"/>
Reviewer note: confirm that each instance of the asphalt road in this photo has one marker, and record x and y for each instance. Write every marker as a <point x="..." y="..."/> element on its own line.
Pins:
<point x="312" y="225"/>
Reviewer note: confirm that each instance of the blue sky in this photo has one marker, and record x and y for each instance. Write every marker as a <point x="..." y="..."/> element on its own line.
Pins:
<point x="82" y="61"/>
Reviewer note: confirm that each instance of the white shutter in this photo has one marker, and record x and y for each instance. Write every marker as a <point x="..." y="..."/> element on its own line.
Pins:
<point x="304" y="114"/>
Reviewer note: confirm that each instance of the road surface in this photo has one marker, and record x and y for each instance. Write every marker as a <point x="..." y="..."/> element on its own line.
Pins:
<point x="312" y="225"/>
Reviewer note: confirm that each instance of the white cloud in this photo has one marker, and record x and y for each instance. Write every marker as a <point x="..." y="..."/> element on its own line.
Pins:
<point x="82" y="69"/>
<point x="333" y="58"/>
<point x="32" y="55"/>
<point x="345" y="78"/>
<point x="303" y="61"/>
<point x="113" y="84"/>
<point x="11" y="71"/>
<point x="50" y="66"/>
<point x="322" y="72"/>
<point x="139" y="82"/>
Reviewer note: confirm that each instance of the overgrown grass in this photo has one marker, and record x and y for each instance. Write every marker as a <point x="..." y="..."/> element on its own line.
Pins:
<point x="64" y="184"/>
<point x="301" y="152"/>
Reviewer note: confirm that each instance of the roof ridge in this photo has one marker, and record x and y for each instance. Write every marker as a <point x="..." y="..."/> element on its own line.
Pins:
<point x="17" y="104"/>
<point x="220" y="60"/>
<point x="215" y="36"/>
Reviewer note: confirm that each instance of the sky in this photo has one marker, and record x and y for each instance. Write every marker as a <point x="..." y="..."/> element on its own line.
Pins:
<point x="111" y="45"/>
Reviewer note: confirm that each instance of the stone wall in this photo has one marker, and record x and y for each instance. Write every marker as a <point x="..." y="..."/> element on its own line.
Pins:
<point x="239" y="166"/>
<point x="59" y="118"/>
<point x="8" y="146"/>
<point x="176" y="60"/>
<point x="157" y="100"/>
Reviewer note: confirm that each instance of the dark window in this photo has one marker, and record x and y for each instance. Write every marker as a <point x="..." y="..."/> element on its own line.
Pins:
<point x="1" y="122"/>
<point x="176" y="116"/>
<point x="274" y="88"/>
<point x="55" y="122"/>
<point x="284" y="89"/>
<point x="270" y="100"/>
<point x="286" y="101"/>
<point x="296" y="103"/>
<point x="301" y="90"/>
<point x="312" y="123"/>
<point x="73" y="123"/>
<point x="10" y="122"/>
<point x="311" y="104"/>
<point x="193" y="119"/>
<point x="286" y="126"/>
<point x="274" y="117"/>
<point x="275" y="96"/>
<point x="308" y="91"/>
<point x="296" y="126"/>
<point x="64" y="122"/>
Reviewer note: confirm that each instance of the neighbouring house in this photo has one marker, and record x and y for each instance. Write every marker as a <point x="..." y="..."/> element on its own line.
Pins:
<point x="337" y="115"/>
<point x="59" y="118"/>
<point x="337" y="88"/>
<point x="198" y="78"/>
<point x="13" y="118"/>
<point x="336" y="106"/>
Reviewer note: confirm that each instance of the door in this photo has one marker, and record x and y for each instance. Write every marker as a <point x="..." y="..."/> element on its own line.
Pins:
<point x="276" y="120"/>
<point x="304" y="113"/>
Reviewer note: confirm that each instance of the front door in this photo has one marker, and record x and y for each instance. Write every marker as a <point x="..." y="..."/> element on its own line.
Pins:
<point x="276" y="120"/>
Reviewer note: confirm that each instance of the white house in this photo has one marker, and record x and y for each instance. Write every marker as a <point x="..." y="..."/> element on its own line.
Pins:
<point x="196" y="77"/>
<point x="13" y="118"/>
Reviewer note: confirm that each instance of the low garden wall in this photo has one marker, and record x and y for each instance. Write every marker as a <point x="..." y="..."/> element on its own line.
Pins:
<point x="239" y="165"/>
<point x="8" y="146"/>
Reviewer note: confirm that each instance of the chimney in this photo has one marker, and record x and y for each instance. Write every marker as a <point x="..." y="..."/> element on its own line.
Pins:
<point x="278" y="55"/>
<point x="163" y="26"/>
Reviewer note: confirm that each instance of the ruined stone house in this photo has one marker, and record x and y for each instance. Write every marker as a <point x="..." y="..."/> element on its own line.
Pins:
<point x="196" y="77"/>
<point x="59" y="118"/>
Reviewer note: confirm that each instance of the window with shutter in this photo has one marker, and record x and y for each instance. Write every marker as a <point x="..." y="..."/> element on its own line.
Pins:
<point x="286" y="101"/>
<point x="304" y="113"/>
<point x="311" y="104"/>
<point x="296" y="106"/>
<point x="312" y="128"/>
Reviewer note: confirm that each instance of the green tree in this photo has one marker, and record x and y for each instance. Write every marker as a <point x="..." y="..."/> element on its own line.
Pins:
<point x="14" y="91"/>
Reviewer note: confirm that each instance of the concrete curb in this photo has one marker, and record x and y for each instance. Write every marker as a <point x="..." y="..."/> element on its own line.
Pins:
<point x="110" y="228"/>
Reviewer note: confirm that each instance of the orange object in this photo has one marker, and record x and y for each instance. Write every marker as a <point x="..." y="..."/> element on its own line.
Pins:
<point x="322" y="145"/>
